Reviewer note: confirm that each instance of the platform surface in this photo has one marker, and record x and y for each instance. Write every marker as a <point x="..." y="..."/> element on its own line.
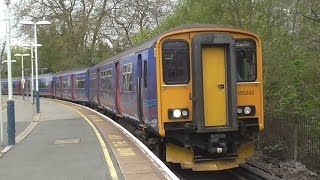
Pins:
<point x="63" y="145"/>
<point x="24" y="113"/>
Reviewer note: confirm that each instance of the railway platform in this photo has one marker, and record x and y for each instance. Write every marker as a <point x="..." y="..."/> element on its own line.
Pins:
<point x="68" y="141"/>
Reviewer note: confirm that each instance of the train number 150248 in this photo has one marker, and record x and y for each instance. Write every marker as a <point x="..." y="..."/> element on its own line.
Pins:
<point x="246" y="93"/>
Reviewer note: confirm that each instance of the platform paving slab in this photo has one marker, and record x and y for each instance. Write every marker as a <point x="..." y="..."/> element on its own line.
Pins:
<point x="24" y="113"/>
<point x="134" y="164"/>
<point x="61" y="146"/>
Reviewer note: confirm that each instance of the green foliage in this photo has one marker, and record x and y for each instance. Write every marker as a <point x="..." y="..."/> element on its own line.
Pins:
<point x="274" y="150"/>
<point x="143" y="36"/>
<point x="291" y="65"/>
<point x="289" y="29"/>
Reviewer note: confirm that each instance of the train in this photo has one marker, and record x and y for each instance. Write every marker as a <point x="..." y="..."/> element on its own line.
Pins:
<point x="193" y="94"/>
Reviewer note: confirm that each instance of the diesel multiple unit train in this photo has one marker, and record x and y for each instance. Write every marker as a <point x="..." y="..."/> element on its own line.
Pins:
<point x="192" y="94"/>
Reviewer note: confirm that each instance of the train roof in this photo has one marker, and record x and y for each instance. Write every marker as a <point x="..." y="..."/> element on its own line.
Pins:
<point x="45" y="75"/>
<point x="27" y="77"/>
<point x="72" y="71"/>
<point x="150" y="42"/>
<point x="13" y="79"/>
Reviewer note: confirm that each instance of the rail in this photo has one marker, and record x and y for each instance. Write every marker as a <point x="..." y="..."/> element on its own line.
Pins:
<point x="253" y="171"/>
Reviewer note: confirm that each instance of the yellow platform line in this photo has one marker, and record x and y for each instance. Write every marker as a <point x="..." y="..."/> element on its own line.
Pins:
<point x="107" y="157"/>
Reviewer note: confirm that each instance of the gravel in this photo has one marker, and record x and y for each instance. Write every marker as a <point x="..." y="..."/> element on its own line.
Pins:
<point x="288" y="169"/>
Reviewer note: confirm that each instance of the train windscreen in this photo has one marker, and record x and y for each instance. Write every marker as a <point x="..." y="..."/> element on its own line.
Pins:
<point x="176" y="62"/>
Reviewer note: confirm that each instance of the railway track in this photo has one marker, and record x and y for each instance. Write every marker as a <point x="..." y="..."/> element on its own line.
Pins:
<point x="253" y="171"/>
<point x="249" y="171"/>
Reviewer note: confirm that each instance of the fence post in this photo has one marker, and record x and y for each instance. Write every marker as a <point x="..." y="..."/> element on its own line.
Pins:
<point x="295" y="140"/>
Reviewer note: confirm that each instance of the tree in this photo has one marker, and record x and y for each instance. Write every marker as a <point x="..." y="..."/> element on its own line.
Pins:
<point x="85" y="32"/>
<point x="2" y="49"/>
<point x="290" y="43"/>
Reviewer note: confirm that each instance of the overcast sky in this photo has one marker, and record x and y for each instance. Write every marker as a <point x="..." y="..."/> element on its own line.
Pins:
<point x="3" y="9"/>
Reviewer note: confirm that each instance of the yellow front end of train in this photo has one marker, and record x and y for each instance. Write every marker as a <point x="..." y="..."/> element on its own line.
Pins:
<point x="210" y="98"/>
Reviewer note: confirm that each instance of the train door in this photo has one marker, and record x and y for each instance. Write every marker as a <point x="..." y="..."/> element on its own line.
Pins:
<point x="61" y="86"/>
<point x="213" y="64"/>
<point x="144" y="87"/>
<point x="214" y="68"/>
<point x="139" y="88"/>
<point x="54" y="86"/>
<point x="73" y="87"/>
<point x="50" y="86"/>
<point x="98" y="85"/>
<point x="118" y="88"/>
<point x="87" y="85"/>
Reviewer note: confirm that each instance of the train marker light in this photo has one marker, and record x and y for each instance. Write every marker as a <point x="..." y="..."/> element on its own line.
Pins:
<point x="184" y="113"/>
<point x="247" y="110"/>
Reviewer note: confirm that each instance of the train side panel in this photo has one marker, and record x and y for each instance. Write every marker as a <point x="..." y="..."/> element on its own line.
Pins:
<point x="16" y="86"/>
<point x="79" y="86"/>
<point x="93" y="86"/>
<point x="149" y="89"/>
<point x="128" y="89"/>
<point x="4" y="87"/>
<point x="57" y="86"/>
<point x="45" y="85"/>
<point x="67" y="87"/>
<point x="107" y="87"/>
<point x="87" y="85"/>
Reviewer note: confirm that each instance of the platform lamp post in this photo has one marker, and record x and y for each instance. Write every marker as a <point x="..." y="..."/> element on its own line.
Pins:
<point x="36" y="56"/>
<point x="1" y="119"/>
<point x="43" y="69"/>
<point x="32" y="60"/>
<point x="11" y="129"/>
<point x="22" y="72"/>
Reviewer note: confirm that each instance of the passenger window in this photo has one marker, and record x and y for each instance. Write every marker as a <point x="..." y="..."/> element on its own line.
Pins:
<point x="43" y="85"/>
<point x="109" y="79"/>
<point x="102" y="80"/>
<point x="65" y="83"/>
<point x="92" y="80"/>
<point x="176" y="62"/>
<point x="80" y="81"/>
<point x="127" y="77"/>
<point x="246" y="57"/>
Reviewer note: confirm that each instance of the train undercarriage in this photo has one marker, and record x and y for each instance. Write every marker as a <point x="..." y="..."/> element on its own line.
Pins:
<point x="198" y="151"/>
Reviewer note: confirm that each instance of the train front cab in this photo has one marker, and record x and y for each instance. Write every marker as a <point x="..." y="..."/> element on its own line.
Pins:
<point x="210" y="97"/>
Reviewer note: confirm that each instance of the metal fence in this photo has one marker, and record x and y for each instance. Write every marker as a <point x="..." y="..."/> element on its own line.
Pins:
<point x="292" y="137"/>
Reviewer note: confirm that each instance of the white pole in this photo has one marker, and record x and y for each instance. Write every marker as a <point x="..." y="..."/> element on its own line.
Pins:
<point x="22" y="78"/>
<point x="22" y="72"/>
<point x="32" y="79"/>
<point x="36" y="54"/>
<point x="36" y="61"/>
<point x="9" y="54"/>
<point x="1" y="120"/>
<point x="10" y="111"/>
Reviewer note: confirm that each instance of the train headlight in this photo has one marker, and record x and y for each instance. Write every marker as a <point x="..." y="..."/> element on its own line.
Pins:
<point x="176" y="113"/>
<point x="247" y="110"/>
<point x="182" y="113"/>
